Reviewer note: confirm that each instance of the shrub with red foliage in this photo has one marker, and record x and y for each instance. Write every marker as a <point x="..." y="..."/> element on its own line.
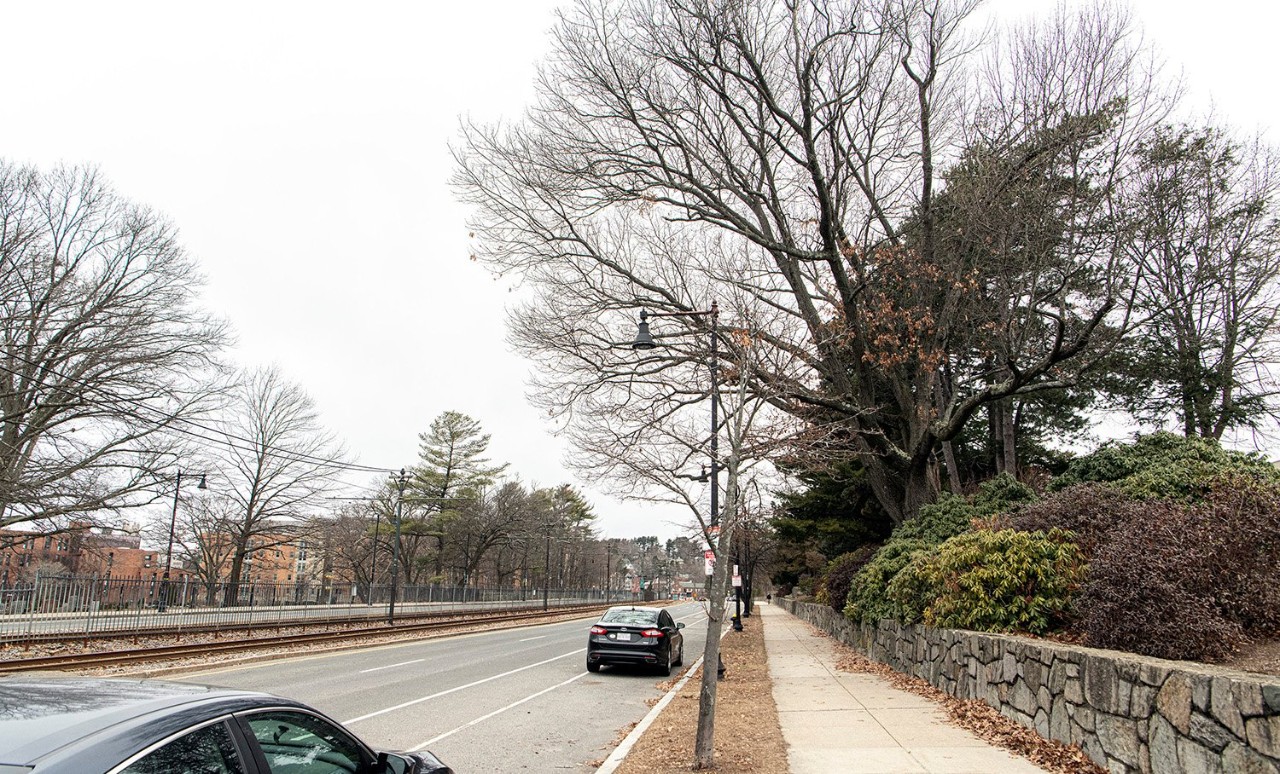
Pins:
<point x="1185" y="580"/>
<point x="1091" y="511"/>
<point x="839" y="575"/>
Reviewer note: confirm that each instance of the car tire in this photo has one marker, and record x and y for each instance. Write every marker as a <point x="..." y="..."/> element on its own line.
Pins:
<point x="680" y="657"/>
<point x="591" y="667"/>
<point x="665" y="670"/>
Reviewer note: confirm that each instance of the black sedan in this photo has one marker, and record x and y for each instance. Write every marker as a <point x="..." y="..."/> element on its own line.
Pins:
<point x="635" y="635"/>
<point x="74" y="725"/>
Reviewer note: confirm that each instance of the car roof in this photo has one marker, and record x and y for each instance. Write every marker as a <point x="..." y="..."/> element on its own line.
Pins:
<point x="43" y="715"/>
<point x="640" y="608"/>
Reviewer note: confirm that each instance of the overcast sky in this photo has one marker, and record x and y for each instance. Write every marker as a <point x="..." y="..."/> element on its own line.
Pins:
<point x="302" y="150"/>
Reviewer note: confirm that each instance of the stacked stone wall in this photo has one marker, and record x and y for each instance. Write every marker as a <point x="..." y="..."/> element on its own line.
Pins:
<point x="1129" y="713"/>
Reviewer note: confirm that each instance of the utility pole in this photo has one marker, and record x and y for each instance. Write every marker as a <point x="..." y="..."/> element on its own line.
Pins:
<point x="163" y="600"/>
<point x="546" y="571"/>
<point x="608" y="569"/>
<point x="400" y="482"/>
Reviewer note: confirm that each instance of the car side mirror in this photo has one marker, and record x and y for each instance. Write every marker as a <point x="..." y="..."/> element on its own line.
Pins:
<point x="680" y="626"/>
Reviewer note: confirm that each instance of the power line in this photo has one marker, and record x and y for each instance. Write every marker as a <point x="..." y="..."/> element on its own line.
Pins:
<point x="169" y="422"/>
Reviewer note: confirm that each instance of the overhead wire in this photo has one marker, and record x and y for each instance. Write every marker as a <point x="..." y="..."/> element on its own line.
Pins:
<point x="168" y="422"/>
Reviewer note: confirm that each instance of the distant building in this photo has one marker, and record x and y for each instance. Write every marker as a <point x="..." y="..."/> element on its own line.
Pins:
<point x="82" y="550"/>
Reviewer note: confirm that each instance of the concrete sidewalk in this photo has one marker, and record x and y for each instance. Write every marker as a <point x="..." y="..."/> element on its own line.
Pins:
<point x="857" y="723"/>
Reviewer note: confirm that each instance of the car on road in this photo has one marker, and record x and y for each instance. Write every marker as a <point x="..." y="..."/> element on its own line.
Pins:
<point x="78" y="725"/>
<point x="637" y="636"/>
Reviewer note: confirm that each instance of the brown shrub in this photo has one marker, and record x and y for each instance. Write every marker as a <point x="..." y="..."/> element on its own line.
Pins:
<point x="1186" y="581"/>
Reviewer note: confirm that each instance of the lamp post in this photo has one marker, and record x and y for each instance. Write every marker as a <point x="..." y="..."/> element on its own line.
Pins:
<point x="704" y="750"/>
<point x="645" y="342"/>
<point x="373" y="553"/>
<point x="163" y="601"/>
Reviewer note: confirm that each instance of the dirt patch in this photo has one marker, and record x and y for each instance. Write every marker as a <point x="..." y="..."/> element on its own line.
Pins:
<point x="1262" y="657"/>
<point x="747" y="735"/>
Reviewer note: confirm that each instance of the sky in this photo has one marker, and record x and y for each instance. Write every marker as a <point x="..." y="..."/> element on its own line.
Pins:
<point x="302" y="149"/>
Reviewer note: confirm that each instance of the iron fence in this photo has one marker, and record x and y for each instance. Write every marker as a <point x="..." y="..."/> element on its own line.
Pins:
<point x="62" y="605"/>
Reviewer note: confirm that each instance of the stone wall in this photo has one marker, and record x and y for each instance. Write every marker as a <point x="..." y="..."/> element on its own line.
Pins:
<point x="1129" y="713"/>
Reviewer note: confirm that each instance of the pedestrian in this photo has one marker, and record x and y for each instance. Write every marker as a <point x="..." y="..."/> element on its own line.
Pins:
<point x="768" y="598"/>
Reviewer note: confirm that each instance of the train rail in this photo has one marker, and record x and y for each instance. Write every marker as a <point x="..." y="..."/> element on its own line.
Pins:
<point x="160" y="655"/>
<point x="220" y="628"/>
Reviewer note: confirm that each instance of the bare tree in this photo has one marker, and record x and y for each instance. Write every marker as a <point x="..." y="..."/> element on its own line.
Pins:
<point x="682" y="150"/>
<point x="202" y="540"/>
<point x="280" y="463"/>
<point x="1207" y="244"/>
<point x="357" y="551"/>
<point x="104" y="357"/>
<point x="484" y="524"/>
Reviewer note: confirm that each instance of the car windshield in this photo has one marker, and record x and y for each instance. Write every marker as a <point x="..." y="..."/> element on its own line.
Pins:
<point x="625" y="616"/>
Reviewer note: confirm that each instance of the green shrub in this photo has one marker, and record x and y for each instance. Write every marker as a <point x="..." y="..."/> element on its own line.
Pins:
<point x="868" y="601"/>
<point x="839" y="576"/>
<point x="1164" y="465"/>
<point x="951" y="515"/>
<point x="994" y="581"/>
<point x="914" y="588"/>
<point x="938" y="521"/>
<point x="1001" y="493"/>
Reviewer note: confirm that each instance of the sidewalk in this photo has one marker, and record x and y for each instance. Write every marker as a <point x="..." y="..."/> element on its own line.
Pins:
<point x="857" y="723"/>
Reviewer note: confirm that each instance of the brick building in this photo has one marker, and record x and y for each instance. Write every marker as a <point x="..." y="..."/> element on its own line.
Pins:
<point x="82" y="550"/>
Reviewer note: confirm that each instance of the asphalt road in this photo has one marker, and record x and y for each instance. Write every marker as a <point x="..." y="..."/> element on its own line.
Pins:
<point x="517" y="699"/>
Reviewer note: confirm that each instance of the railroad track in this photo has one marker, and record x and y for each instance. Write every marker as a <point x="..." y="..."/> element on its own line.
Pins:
<point x="166" y="653"/>
<point x="232" y="628"/>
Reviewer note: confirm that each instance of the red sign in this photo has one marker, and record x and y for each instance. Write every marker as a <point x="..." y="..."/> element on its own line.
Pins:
<point x="708" y="554"/>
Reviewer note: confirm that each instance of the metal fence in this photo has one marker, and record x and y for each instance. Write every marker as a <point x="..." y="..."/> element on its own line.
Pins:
<point x="81" y="606"/>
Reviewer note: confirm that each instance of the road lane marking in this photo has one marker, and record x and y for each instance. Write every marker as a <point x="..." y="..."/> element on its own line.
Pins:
<point x="498" y="711"/>
<point x="392" y="666"/>
<point x="462" y="687"/>
<point x="531" y="639"/>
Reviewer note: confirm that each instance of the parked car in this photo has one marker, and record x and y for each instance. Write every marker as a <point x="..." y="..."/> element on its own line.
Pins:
<point x="635" y="635"/>
<point x="78" y="725"/>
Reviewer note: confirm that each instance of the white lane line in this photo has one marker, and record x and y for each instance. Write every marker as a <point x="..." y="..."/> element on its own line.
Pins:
<point x="531" y="639"/>
<point x="498" y="711"/>
<point x="392" y="666"/>
<point x="462" y="687"/>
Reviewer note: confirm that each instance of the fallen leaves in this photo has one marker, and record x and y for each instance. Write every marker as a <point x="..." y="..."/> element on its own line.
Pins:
<point x="980" y="718"/>
<point x="747" y="735"/>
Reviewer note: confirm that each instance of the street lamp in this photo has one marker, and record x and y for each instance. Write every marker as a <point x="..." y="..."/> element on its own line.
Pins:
<point x="645" y="342"/>
<point x="163" y="602"/>
<point x="608" y="570"/>
<point x="704" y="751"/>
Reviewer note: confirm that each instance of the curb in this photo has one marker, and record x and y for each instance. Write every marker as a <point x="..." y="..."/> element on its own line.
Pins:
<point x="620" y="752"/>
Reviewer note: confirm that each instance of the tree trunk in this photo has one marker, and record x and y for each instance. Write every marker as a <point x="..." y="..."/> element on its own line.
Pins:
<point x="904" y="490"/>
<point x="704" y="746"/>
<point x="1009" y="439"/>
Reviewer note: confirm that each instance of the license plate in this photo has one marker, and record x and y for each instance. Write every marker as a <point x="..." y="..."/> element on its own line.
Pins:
<point x="624" y="638"/>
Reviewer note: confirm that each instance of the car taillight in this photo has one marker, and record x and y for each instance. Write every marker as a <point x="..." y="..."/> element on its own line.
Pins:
<point x="599" y="630"/>
<point x="651" y="633"/>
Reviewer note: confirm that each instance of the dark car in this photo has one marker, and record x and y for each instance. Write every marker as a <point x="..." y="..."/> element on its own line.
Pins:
<point x="635" y="635"/>
<point x="75" y="725"/>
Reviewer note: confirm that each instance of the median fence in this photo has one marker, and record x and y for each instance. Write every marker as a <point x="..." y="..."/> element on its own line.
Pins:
<point x="47" y="607"/>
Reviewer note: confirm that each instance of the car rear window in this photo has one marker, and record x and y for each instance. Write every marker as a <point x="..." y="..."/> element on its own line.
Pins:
<point x="630" y="617"/>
